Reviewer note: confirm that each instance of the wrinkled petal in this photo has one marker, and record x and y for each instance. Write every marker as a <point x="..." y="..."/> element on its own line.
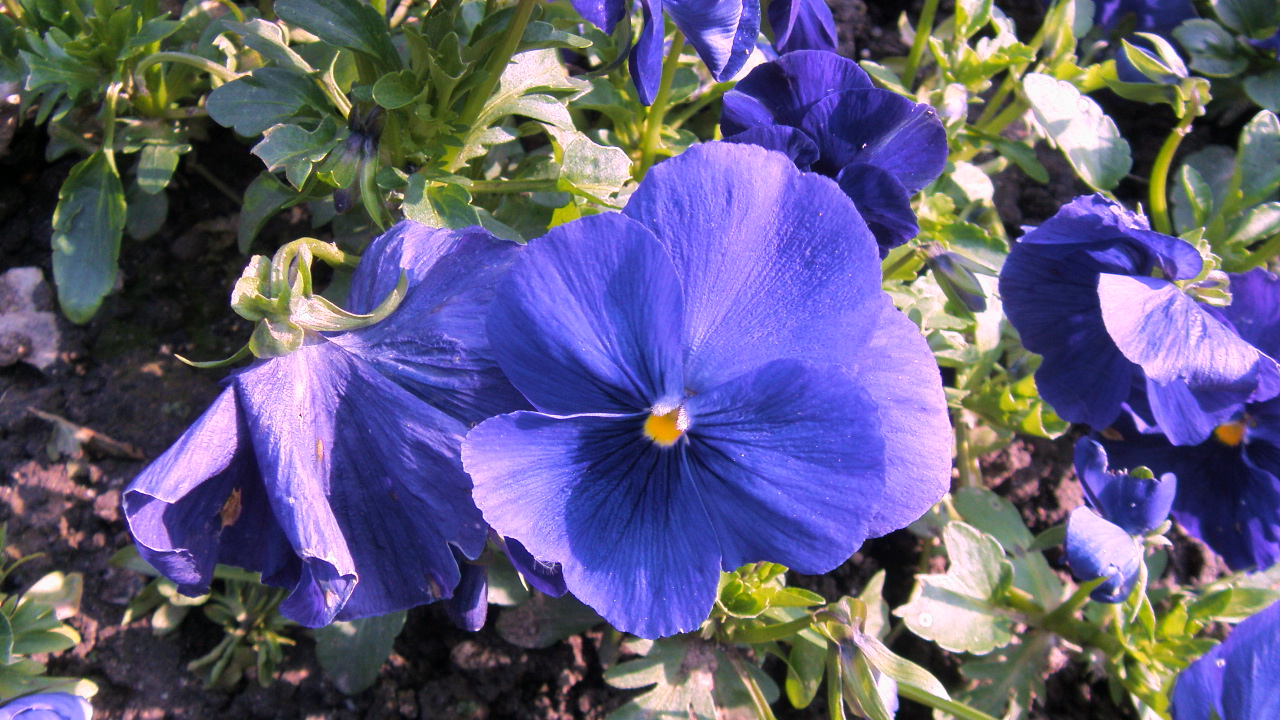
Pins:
<point x="1197" y="693"/>
<point x="1187" y="417"/>
<point x="787" y="140"/>
<point x="1096" y="548"/>
<point x="1136" y="505"/>
<point x="1255" y="309"/>
<point x="435" y="343"/>
<point x="646" y="55"/>
<point x="1252" y="654"/>
<point x="802" y="25"/>
<point x="604" y="14"/>
<point x="546" y="578"/>
<point x="768" y="260"/>
<point x="469" y="606"/>
<point x="595" y="495"/>
<point x="880" y="128"/>
<point x="789" y="464"/>
<point x="47" y="706"/>
<point x="718" y="30"/>
<point x="882" y="201"/>
<point x="782" y="92"/>
<point x="589" y="320"/>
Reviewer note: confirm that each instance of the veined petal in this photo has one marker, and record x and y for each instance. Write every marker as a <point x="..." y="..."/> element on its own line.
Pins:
<point x="880" y="128"/>
<point x="1096" y="548"/>
<point x="802" y="25"/>
<point x="1134" y="504"/>
<point x="1255" y="309"/>
<point x="646" y="55"/>
<point x="789" y="463"/>
<point x="604" y="14"/>
<point x="767" y="260"/>
<point x="781" y="92"/>
<point x="589" y="320"/>
<point x="1197" y="693"/>
<point x="882" y="201"/>
<point x="713" y="27"/>
<point x="787" y="140"/>
<point x="546" y="578"/>
<point x="469" y="606"/>
<point x="1252" y="655"/>
<point x="613" y="508"/>
<point x="1187" y="417"/>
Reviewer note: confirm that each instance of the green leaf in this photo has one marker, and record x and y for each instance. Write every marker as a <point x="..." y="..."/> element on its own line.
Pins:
<point x="593" y="171"/>
<point x="295" y="151"/>
<point x="902" y="670"/>
<point x="87" y="225"/>
<point x="152" y="31"/>
<point x="1198" y="194"/>
<point x="6" y="640"/>
<point x="1213" y="50"/>
<point x="545" y="621"/>
<point x="1258" y="223"/>
<point x="443" y="205"/>
<point x="531" y="85"/>
<point x="264" y="197"/>
<point x="1255" y="18"/>
<point x="1232" y="604"/>
<point x="395" y="90"/>
<point x="50" y="68"/>
<point x="268" y="96"/>
<point x="271" y="41"/>
<point x="344" y="23"/>
<point x="1215" y="165"/>
<point x="352" y="653"/>
<point x="805" y="667"/>
<point x="691" y="680"/>
<point x="146" y="214"/>
<point x="1084" y="133"/>
<point x="156" y="164"/>
<point x="1264" y="89"/>
<point x="540" y="35"/>
<point x="993" y="514"/>
<point x="1258" y="159"/>
<point x="959" y="610"/>
<point x="1012" y="676"/>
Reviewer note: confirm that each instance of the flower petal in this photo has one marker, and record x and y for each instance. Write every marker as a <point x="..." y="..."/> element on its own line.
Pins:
<point x="1136" y="505"/>
<point x="787" y="140"/>
<point x="717" y="29"/>
<point x="880" y="128"/>
<point x="802" y="25"/>
<point x="768" y="260"/>
<point x="546" y="578"/>
<point x="1255" y="309"/>
<point x="882" y="201"/>
<point x="613" y="508"/>
<point x="589" y="320"/>
<point x="604" y="14"/>
<point x="782" y="92"/>
<point x="1197" y="693"/>
<point x="789" y="463"/>
<point x="469" y="606"/>
<point x="47" y="706"/>
<point x="645" y="60"/>
<point x="1097" y="548"/>
<point x="1252" y="654"/>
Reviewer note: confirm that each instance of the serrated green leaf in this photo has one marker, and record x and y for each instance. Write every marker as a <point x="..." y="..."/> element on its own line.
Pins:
<point x="1013" y="675"/>
<point x="443" y="205"/>
<point x="541" y="35"/>
<point x="958" y="609"/>
<point x="270" y="41"/>
<point x="50" y="68"/>
<point x="691" y="680"/>
<point x="265" y="97"/>
<point x="343" y="23"/>
<point x="264" y="197"/>
<point x="152" y="31"/>
<point x="87" y="225"/>
<point x="352" y="653"/>
<point x="1084" y="133"/>
<point x="532" y="86"/>
<point x="294" y="150"/>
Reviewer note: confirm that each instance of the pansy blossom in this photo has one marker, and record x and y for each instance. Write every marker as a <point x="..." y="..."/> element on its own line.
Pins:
<point x="1236" y="680"/>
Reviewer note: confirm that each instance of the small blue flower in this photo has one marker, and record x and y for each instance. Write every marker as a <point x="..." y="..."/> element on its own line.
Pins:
<point x="802" y="25"/>
<point x="334" y="470"/>
<point x="718" y="380"/>
<point x="1104" y="538"/>
<point x="823" y="112"/>
<point x="47" y="706"/>
<point x="1229" y="484"/>
<point x="1092" y="290"/>
<point x="1239" y="679"/>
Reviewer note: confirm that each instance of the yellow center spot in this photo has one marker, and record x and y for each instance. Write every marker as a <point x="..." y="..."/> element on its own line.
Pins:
<point x="664" y="429"/>
<point x="1230" y="434"/>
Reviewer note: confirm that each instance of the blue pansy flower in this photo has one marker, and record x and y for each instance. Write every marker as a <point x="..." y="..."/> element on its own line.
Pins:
<point x="822" y="111"/>
<point x="47" y="706"/>
<point x="1105" y="537"/>
<point x="802" y="25"/>
<point x="334" y="470"/>
<point x="723" y="32"/>
<point x="1228" y="485"/>
<point x="1092" y="290"/>
<point x="718" y="379"/>
<point x="1153" y="16"/>
<point x="1239" y="679"/>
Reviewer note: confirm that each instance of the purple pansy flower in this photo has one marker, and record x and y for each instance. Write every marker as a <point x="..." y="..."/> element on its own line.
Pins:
<point x="1092" y="290"/>
<point x="1238" y="679"/>
<point x="334" y="470"/>
<point x="1228" y="485"/>
<point x="47" y="706"/>
<point x="1104" y="537"/>
<point x="718" y="379"/>
<point x="823" y="112"/>
<point x="802" y="25"/>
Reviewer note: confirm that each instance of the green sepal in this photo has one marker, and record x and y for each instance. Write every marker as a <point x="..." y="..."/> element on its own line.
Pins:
<point x="275" y="338"/>
<point x="320" y="315"/>
<point x="239" y="355"/>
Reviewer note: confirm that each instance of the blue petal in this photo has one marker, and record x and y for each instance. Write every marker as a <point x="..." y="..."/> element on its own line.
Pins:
<point x="1097" y="548"/>
<point x="546" y="578"/>
<point x="47" y="706"/>
<point x="1197" y="693"/>
<point x="1255" y="309"/>
<point x="613" y="508"/>
<point x="469" y="606"/>
<point x="787" y="140"/>
<point x="789" y="464"/>
<point x="1136" y="505"/>
<point x="435" y="344"/>
<point x="646" y="55"/>
<point x="768" y="260"/>
<point x="880" y="128"/>
<point x="782" y="92"/>
<point x="1153" y="16"/>
<point x="882" y="201"/>
<point x="604" y="14"/>
<point x="1187" y="417"/>
<point x="722" y="31"/>
<point x="589" y="320"/>
<point x="1252" y="654"/>
<point x="802" y="25"/>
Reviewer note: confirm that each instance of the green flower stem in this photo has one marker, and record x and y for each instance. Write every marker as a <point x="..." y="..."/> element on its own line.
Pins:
<point x="509" y="187"/>
<point x="924" y="28"/>
<point x="763" y="711"/>
<point x="769" y="633"/>
<point x="1063" y="625"/>
<point x="966" y="461"/>
<point x="109" y="124"/>
<point x="15" y="11"/>
<point x="195" y="61"/>
<point x="1158" y="196"/>
<point x="923" y="697"/>
<point x="658" y="110"/>
<point x="715" y="92"/>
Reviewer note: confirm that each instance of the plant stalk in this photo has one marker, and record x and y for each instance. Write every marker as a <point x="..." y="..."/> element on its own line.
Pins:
<point x="498" y="62"/>
<point x="657" y="112"/>
<point x="1158" y="196"/>
<point x="924" y="28"/>
<point x="915" y="694"/>
<point x="195" y="61"/>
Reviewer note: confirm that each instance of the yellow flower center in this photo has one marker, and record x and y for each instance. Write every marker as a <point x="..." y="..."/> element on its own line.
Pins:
<point x="1230" y="434"/>
<point x="666" y="429"/>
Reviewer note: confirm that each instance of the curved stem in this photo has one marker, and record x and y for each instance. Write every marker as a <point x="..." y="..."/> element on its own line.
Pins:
<point x="769" y="633"/>
<point x="1158" y="197"/>
<point x="658" y="110"/>
<point x="948" y="706"/>
<point x="924" y="27"/>
<point x="195" y="61"/>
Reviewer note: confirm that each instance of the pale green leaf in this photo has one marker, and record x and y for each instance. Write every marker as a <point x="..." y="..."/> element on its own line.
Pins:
<point x="442" y="205"/>
<point x="1084" y="133"/>
<point x="344" y="23"/>
<point x="352" y="653"/>
<point x="268" y="96"/>
<point x="1012" y="675"/>
<point x="294" y="150"/>
<point x="264" y="197"/>
<point x="87" y="225"/>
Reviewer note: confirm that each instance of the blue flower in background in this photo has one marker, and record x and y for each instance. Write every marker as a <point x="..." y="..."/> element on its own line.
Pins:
<point x="718" y="380"/>
<point x="1153" y="16"/>
<point x="723" y="32"/>
<point x="1238" y="679"/>
<point x="802" y="25"/>
<point x="47" y="706"/>
<point x="823" y="112"/>
<point x="1082" y="291"/>
<point x="335" y="470"/>
<point x="1228" y="485"/>
<point x="1104" y="538"/>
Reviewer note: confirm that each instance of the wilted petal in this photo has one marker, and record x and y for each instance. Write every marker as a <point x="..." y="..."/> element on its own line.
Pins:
<point x="1099" y="549"/>
<point x="802" y="25"/>
<point x="782" y="92"/>
<point x="1137" y="505"/>
<point x="768" y="259"/>
<point x="787" y="140"/>
<point x="595" y="495"/>
<point x="880" y="128"/>
<point x="589" y="320"/>
<point x="789" y="463"/>
<point x="546" y="578"/>
<point x="469" y="606"/>
<point x="882" y="201"/>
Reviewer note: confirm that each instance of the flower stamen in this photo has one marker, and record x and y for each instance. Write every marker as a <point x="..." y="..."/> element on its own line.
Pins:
<point x="1230" y="434"/>
<point x="666" y="428"/>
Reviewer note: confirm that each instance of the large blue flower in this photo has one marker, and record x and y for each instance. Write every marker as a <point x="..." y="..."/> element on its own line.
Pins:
<point x="1092" y="290"/>
<point x="822" y="111"/>
<point x="335" y="470"/>
<point x="1104" y="538"/>
<point x="718" y="380"/>
<point x="47" y="706"/>
<point x="1228" y="485"/>
<point x="1237" y="679"/>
